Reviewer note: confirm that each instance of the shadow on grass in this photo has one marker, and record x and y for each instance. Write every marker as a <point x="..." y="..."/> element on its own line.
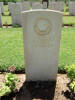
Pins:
<point x="37" y="90"/>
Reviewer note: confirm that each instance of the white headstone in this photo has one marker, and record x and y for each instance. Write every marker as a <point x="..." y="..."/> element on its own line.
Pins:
<point x="10" y="6"/>
<point x="25" y="5"/>
<point x="62" y="4"/>
<point x="72" y="8"/>
<point x="16" y="14"/>
<point x="0" y="18"/>
<point x="2" y="9"/>
<point x="37" y="6"/>
<point x="35" y="3"/>
<point x="45" y="5"/>
<point x="59" y="6"/>
<point x="42" y="32"/>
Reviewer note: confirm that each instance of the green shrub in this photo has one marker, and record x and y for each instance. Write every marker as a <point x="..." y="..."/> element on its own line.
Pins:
<point x="5" y="90"/>
<point x="16" y="25"/>
<point x="9" y="85"/>
<point x="70" y="71"/>
<point x="10" y="80"/>
<point x="71" y="74"/>
<point x="72" y="86"/>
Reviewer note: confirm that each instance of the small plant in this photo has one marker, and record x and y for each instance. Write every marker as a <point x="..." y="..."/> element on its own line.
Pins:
<point x="9" y="85"/>
<point x="16" y="25"/>
<point x="72" y="86"/>
<point x="71" y="74"/>
<point x="10" y="81"/>
<point x="5" y="90"/>
<point x="70" y="71"/>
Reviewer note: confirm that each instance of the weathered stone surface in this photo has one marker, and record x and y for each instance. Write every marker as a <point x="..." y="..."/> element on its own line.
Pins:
<point x="59" y="6"/>
<point x="72" y="8"/>
<point x="0" y="18"/>
<point x="2" y="9"/>
<point x="10" y="6"/>
<point x="42" y="32"/>
<point x="15" y="10"/>
<point x="16" y="13"/>
<point x="25" y="5"/>
<point x="37" y="6"/>
<point x="45" y="5"/>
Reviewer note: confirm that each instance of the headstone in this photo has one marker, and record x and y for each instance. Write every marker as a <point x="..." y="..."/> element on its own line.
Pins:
<point x="10" y="6"/>
<point x="2" y="9"/>
<point x="42" y="32"/>
<point x="25" y="5"/>
<point x="46" y="2"/>
<point x="18" y="2"/>
<point x="15" y="10"/>
<point x="62" y="4"/>
<point x="59" y="6"/>
<point x="0" y="18"/>
<point x="44" y="5"/>
<point x="72" y="8"/>
<point x="37" y="6"/>
<point x="16" y="14"/>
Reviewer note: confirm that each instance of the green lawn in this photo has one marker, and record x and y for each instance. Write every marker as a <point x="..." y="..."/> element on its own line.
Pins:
<point x="69" y="20"/>
<point x="11" y="48"/>
<point x="6" y="20"/>
<point x="65" y="13"/>
<point x="67" y="48"/>
<point x="6" y="12"/>
<point x="12" y="51"/>
<point x="11" y="44"/>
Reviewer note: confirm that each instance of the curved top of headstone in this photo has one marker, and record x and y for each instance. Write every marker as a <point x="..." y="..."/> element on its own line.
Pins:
<point x="42" y="10"/>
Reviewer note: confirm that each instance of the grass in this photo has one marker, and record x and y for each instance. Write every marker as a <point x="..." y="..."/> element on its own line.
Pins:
<point x="69" y="20"/>
<point x="12" y="51"/>
<point x="66" y="10"/>
<point x="67" y="49"/>
<point x="11" y="48"/>
<point x="6" y="20"/>
<point x="11" y="44"/>
<point x="6" y="12"/>
<point x="65" y="13"/>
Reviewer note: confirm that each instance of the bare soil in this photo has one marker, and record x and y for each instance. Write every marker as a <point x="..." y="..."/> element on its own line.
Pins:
<point x="41" y="90"/>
